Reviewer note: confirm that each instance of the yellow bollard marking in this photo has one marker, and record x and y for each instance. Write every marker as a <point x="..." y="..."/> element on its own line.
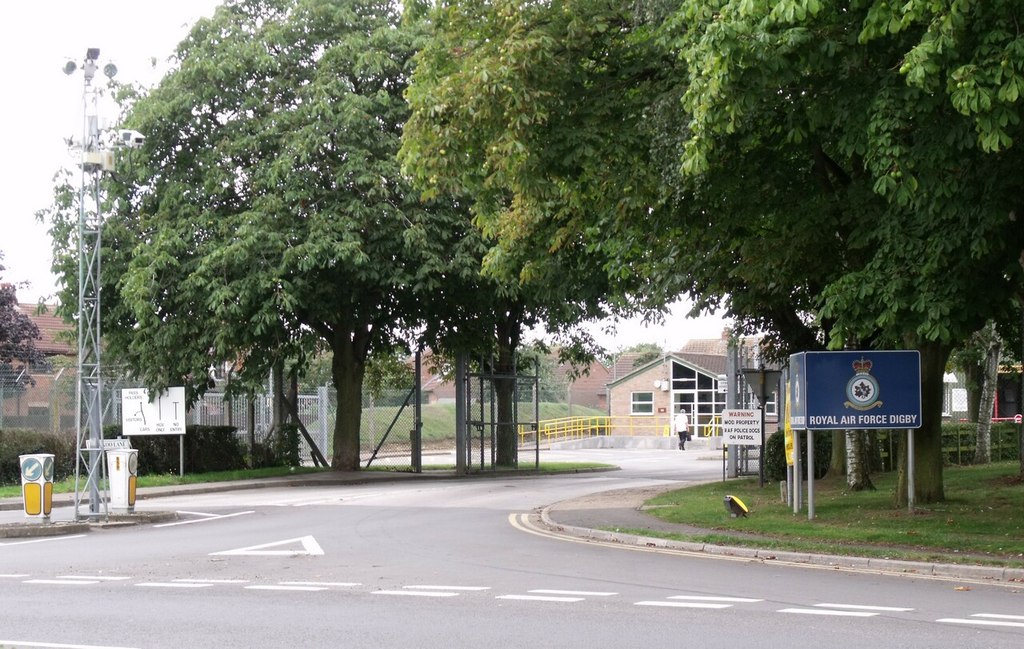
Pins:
<point x="33" y="495"/>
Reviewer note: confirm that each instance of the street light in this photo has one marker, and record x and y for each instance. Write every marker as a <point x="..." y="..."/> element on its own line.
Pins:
<point x="89" y="393"/>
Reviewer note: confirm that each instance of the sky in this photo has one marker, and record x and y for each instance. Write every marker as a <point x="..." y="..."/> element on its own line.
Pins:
<point x="42" y="107"/>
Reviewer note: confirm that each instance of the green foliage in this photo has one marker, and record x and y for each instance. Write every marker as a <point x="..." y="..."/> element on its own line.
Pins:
<point x="25" y="442"/>
<point x="775" y="456"/>
<point x="207" y="448"/>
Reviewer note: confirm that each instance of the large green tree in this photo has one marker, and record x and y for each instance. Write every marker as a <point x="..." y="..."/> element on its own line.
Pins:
<point x="266" y="218"/>
<point x="847" y="175"/>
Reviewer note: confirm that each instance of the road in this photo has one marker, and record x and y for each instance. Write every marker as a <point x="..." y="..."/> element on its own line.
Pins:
<point x="454" y="563"/>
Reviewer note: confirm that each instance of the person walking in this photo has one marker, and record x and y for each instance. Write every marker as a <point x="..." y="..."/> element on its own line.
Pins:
<point x="681" y="423"/>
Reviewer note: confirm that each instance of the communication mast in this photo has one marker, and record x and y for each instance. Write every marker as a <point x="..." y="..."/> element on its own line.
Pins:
<point x="89" y="392"/>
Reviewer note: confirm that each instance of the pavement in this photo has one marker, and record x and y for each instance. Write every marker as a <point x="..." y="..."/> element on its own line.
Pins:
<point x="617" y="517"/>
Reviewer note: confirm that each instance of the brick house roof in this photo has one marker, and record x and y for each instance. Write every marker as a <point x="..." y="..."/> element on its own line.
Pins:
<point x="56" y="336"/>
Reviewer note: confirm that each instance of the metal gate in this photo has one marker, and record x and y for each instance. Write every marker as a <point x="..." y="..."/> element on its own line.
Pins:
<point x="484" y="419"/>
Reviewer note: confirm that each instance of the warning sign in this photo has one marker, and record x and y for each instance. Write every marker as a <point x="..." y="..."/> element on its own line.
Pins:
<point x="741" y="427"/>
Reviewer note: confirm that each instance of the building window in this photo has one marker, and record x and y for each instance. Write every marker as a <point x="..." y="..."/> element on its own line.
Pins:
<point x="641" y="403"/>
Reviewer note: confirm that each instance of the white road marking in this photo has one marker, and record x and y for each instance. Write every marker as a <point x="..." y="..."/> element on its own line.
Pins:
<point x="284" y="587"/>
<point x="711" y="598"/>
<point x="858" y="607"/>
<point x="93" y="577"/>
<point x="165" y="584"/>
<point x="540" y="598"/>
<point x="45" y="539"/>
<point x="415" y="593"/>
<point x="429" y="587"/>
<point x="982" y="622"/>
<point x="667" y="604"/>
<point x="309" y="547"/>
<point x="582" y="593"/>
<point x="211" y="581"/>
<point x="61" y="582"/>
<point x="325" y="584"/>
<point x="13" y="576"/>
<point x="999" y="616"/>
<point x="205" y="518"/>
<point x="55" y="645"/>
<point x="821" y="611"/>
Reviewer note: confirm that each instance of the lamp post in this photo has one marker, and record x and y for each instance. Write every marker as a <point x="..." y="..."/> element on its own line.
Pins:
<point x="89" y="392"/>
<point x="762" y="382"/>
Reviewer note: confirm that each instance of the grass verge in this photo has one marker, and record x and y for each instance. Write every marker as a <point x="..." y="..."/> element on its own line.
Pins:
<point x="981" y="521"/>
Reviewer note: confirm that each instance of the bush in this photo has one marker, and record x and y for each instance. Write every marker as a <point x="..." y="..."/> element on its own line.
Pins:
<point x="775" y="455"/>
<point x="24" y="442"/>
<point x="207" y="448"/>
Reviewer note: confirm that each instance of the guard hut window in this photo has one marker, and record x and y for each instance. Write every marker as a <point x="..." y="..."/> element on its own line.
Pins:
<point x="642" y="403"/>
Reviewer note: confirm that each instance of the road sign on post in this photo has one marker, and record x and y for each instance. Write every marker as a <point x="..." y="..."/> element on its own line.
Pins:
<point x="164" y="415"/>
<point x="861" y="390"/>
<point x="856" y="390"/>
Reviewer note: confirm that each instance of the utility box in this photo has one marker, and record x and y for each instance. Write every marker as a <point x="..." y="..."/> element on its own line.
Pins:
<point x="122" y="472"/>
<point x="37" y="485"/>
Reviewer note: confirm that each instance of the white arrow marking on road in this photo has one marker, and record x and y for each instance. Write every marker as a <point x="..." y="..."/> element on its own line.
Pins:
<point x="309" y="547"/>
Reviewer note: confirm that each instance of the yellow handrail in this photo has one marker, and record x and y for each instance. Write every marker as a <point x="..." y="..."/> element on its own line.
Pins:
<point x="568" y="428"/>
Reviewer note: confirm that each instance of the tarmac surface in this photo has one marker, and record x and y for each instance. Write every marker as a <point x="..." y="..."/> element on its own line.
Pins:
<point x="615" y="518"/>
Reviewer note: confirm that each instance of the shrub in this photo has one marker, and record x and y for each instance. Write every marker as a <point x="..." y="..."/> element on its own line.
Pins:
<point x="24" y="442"/>
<point x="207" y="448"/>
<point x="775" y="455"/>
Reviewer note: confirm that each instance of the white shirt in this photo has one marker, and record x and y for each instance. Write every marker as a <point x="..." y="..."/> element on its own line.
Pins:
<point x="681" y="422"/>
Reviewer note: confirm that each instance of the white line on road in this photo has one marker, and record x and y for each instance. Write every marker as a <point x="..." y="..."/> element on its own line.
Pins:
<point x="93" y="577"/>
<point x="310" y="589"/>
<point x="581" y="593"/>
<point x="429" y="587"/>
<point x="325" y="584"/>
<point x="415" y="593"/>
<point x="708" y="605"/>
<point x="711" y="598"/>
<point x="208" y="517"/>
<point x="858" y="607"/>
<point x="982" y="622"/>
<point x="13" y="576"/>
<point x="46" y="539"/>
<point x="211" y="581"/>
<point x="165" y="584"/>
<point x="999" y="616"/>
<point x="55" y="645"/>
<point x="540" y="598"/>
<point x="820" y="611"/>
<point x="61" y="582"/>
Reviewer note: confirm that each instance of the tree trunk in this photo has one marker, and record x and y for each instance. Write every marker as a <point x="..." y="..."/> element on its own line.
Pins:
<point x="983" y="439"/>
<point x="858" y="465"/>
<point x="507" y="451"/>
<point x="347" y="369"/>
<point x="837" y="464"/>
<point x="928" y="487"/>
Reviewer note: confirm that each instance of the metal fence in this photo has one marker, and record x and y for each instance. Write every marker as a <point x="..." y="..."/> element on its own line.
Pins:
<point x="47" y="404"/>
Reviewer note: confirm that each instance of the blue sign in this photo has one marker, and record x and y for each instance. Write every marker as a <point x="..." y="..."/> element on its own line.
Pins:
<point x="855" y="390"/>
<point x="797" y="391"/>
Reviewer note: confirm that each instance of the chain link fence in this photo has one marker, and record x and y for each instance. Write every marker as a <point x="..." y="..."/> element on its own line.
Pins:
<point x="46" y="403"/>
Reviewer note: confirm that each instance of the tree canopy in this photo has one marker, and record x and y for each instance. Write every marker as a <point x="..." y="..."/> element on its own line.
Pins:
<point x="18" y="336"/>
<point x="833" y="175"/>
